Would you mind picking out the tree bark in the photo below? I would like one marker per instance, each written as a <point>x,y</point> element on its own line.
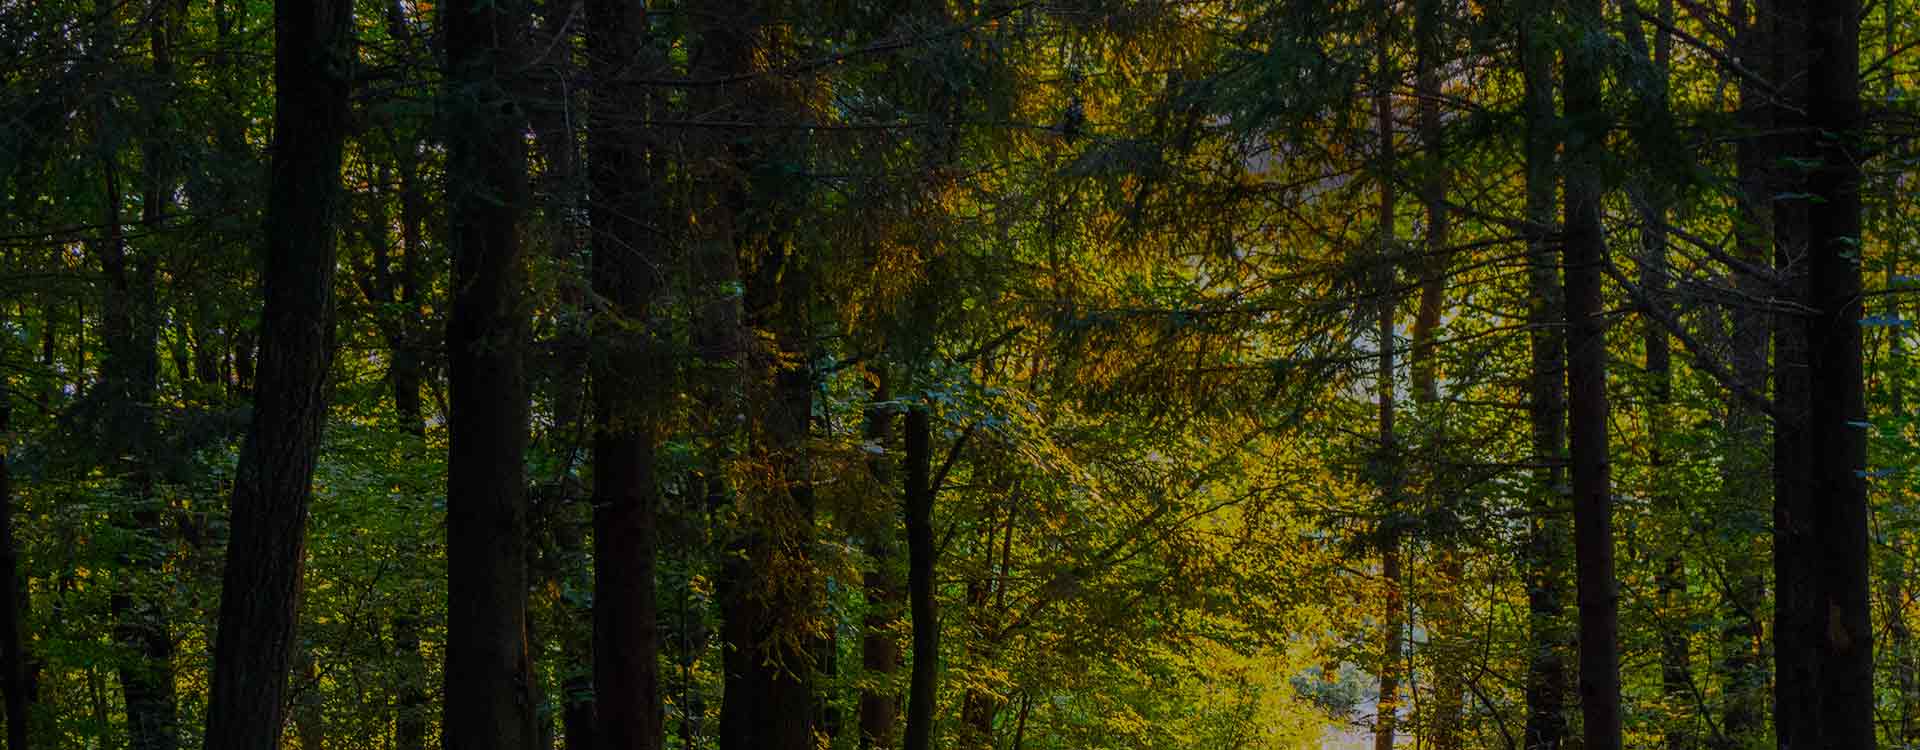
<point>266,553</point>
<point>628,376</point>
<point>879,649</point>
<point>1546,683</point>
<point>1386,462</point>
<point>1837,404</point>
<point>1447,622</point>
<point>1741,670</point>
<point>489,701</point>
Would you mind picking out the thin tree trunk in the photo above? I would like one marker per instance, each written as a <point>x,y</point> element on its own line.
<point>1386,463</point>
<point>1742,670</point>
<point>266,554</point>
<point>1587,409</point>
<point>1448,623</point>
<point>1798,624</point>
<point>879,649</point>
<point>1546,683</point>
<point>489,701</point>
<point>1655,133</point>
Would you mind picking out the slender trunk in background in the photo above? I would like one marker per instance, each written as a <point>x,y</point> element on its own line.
<point>489,701</point>
<point>1653,129</point>
<point>1798,625</point>
<point>1447,621</point>
<point>1741,668</point>
<point>1587,409</point>
<point>879,649</point>
<point>13,591</point>
<point>129,375</point>
<point>1547,544</point>
<point>1839,519</point>
<point>629,378</point>
<point>273,486</point>
<point>922,692</point>
<point>1386,463</point>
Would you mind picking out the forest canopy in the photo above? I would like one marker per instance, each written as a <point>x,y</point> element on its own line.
<point>972,374</point>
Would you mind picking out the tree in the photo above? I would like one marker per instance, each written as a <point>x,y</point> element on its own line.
<point>488,693</point>
<point>266,552</point>
<point>629,377</point>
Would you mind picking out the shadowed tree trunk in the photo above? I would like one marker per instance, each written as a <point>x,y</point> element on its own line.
<point>1587,408</point>
<point>1386,463</point>
<point>1549,641</point>
<point>13,592</point>
<point>879,649</point>
<point>266,554</point>
<point>1652,196</point>
<point>1448,619</point>
<point>1741,669</point>
<point>1838,559</point>
<point>628,377</point>
<point>923,691</point>
<point>489,701</point>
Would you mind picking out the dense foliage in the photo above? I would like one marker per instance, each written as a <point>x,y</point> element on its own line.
<point>740,374</point>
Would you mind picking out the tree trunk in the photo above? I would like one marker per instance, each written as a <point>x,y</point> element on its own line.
<point>1546,683</point>
<point>1447,621</point>
<point>922,692</point>
<point>879,650</point>
<point>1386,463</point>
<point>1742,671</point>
<point>1587,410</point>
<point>489,701</point>
<point>266,554</point>
<point>14,688</point>
<point>1654,131</point>
<point>1837,397</point>
<point>628,379</point>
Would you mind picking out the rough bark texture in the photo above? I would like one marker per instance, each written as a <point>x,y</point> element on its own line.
<point>1547,679</point>
<point>626,370</point>
<point>266,552</point>
<point>1797,625</point>
<point>488,691</point>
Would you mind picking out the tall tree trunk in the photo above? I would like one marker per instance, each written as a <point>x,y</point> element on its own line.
<point>266,553</point>
<point>1386,463</point>
<point>922,692</point>
<point>1742,671</point>
<point>1837,395</point>
<point>129,375</point>
<point>15,691</point>
<point>1654,130</point>
<point>1587,410</point>
<point>628,380</point>
<point>1798,625</point>
<point>1447,623</point>
<point>1546,683</point>
<point>489,701</point>
<point>879,649</point>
